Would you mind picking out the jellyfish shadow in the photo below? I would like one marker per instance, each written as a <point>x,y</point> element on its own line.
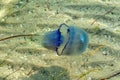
<point>49,73</point>
<point>1,78</point>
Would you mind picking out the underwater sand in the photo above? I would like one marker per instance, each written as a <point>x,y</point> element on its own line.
<point>24,58</point>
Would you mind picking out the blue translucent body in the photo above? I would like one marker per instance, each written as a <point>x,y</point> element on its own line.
<point>77,40</point>
<point>52,40</point>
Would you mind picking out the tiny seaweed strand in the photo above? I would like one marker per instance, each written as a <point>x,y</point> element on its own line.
<point>103,15</point>
<point>116,73</point>
<point>22,35</point>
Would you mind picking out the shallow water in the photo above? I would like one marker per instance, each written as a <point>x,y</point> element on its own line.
<point>24,58</point>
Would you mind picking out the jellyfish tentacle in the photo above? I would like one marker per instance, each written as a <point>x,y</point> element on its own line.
<point>68,32</point>
<point>62,25</point>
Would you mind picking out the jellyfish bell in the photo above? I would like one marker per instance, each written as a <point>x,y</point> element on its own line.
<point>66,41</point>
<point>52,40</point>
<point>78,41</point>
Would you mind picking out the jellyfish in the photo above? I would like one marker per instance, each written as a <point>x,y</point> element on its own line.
<point>74,41</point>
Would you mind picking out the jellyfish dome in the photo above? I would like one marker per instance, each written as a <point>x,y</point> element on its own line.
<point>74,41</point>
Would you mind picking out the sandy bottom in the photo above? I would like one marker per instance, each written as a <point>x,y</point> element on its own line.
<point>24,58</point>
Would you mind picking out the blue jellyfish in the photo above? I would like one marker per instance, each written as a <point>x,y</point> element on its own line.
<point>74,41</point>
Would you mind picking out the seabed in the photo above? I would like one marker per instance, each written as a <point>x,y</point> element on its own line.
<point>24,58</point>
